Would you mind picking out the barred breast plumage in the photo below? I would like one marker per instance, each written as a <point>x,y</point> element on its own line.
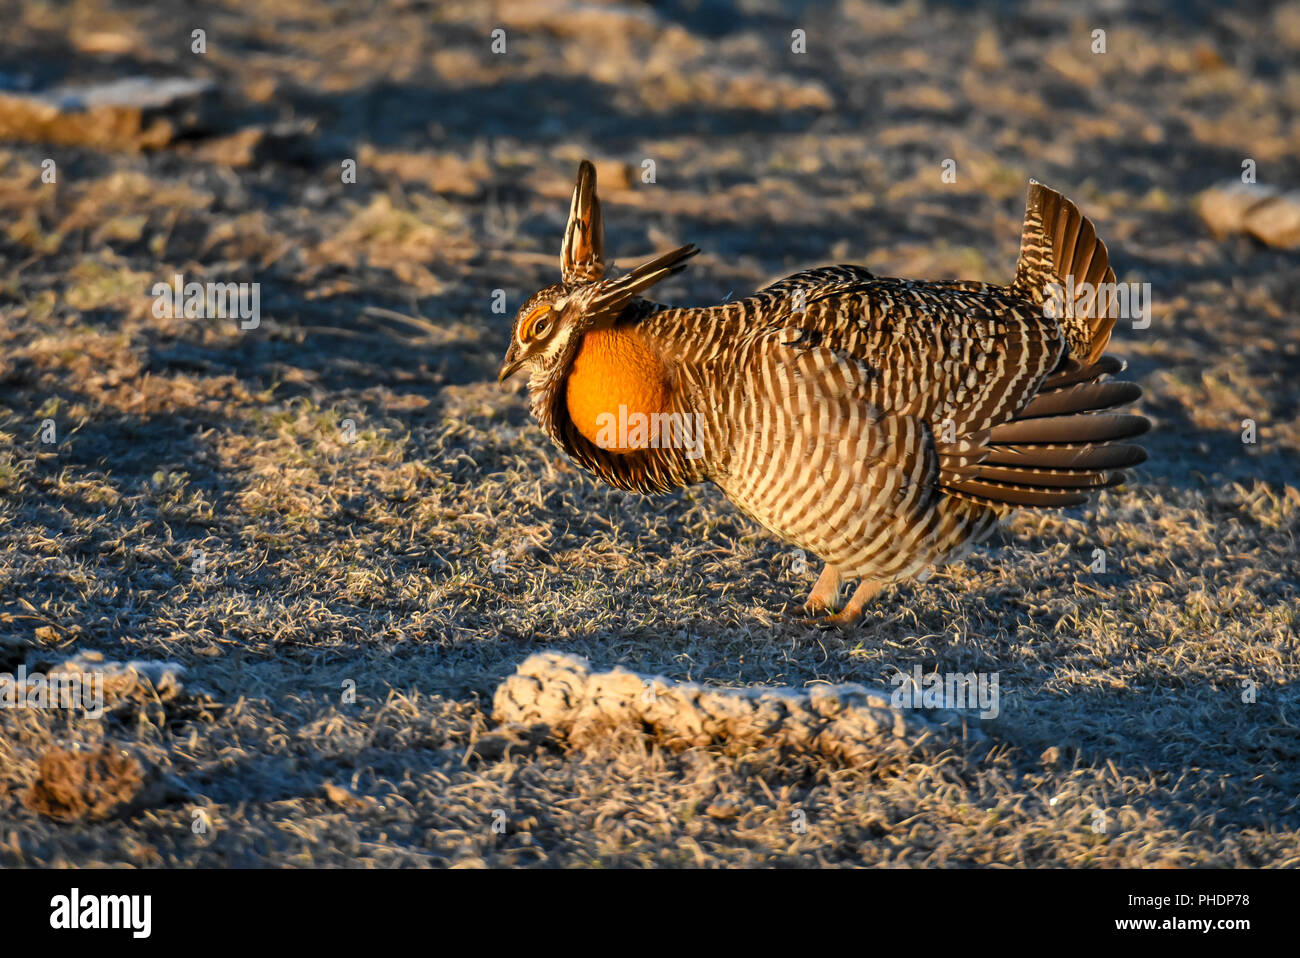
<point>883,425</point>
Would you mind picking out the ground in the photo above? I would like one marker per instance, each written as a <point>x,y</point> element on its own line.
<point>342,498</point>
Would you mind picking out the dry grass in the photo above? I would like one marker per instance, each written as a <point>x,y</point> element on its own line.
<point>428,548</point>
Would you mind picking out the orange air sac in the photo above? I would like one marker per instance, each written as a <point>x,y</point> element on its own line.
<point>614,367</point>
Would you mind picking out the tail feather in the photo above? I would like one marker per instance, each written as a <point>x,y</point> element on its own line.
<point>1082,397</point>
<point>1104,427</point>
<point>1003,494</point>
<point>1060,251</point>
<point>1058,450</point>
<point>1063,445</point>
<point>1071,372</point>
<point>1073,457</point>
<point>1050,478</point>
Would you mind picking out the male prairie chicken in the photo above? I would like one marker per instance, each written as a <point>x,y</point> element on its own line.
<point>883,425</point>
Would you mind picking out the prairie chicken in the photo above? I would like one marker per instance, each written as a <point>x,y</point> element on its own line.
<point>883,425</point>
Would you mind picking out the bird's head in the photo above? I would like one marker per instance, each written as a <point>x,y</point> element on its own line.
<point>549,327</point>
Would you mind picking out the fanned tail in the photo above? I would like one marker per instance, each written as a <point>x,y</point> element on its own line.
<point>1063,446</point>
<point>1067,442</point>
<point>1059,252</point>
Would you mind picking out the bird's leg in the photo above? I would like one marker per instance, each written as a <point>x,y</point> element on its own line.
<point>825,592</point>
<point>852,610</point>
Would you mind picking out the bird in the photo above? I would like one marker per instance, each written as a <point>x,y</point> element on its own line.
<point>884,425</point>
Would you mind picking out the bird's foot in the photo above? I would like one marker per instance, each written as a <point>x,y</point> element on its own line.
<point>825,592</point>
<point>852,611</point>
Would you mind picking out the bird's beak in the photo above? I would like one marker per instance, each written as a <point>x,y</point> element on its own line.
<point>509,367</point>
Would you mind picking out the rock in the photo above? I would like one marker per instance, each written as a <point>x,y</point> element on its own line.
<point>1276,221</point>
<point>1223,207</point>
<point>847,724</point>
<point>133,113</point>
<point>1269,215</point>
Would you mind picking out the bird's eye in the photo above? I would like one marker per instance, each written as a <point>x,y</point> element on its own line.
<point>535,324</point>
